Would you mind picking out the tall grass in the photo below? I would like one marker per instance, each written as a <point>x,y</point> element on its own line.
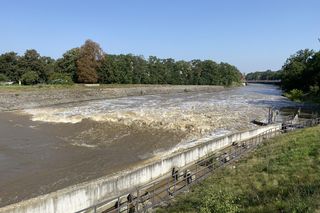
<point>283,175</point>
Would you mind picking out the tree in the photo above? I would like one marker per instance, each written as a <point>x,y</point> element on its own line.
<point>228,74</point>
<point>68,63</point>
<point>30,77</point>
<point>294,70</point>
<point>88,64</point>
<point>182,73</point>
<point>312,73</point>
<point>3,77</point>
<point>32,61</point>
<point>9,66</point>
<point>89,61</point>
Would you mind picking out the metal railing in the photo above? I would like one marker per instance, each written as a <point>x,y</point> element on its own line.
<point>289,126</point>
<point>150,195</point>
<point>163,190</point>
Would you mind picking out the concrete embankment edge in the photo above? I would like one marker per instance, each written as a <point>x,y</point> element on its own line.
<point>77,197</point>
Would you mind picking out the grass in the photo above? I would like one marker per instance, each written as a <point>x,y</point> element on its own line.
<point>283,175</point>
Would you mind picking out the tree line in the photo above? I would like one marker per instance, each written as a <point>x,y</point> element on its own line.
<point>264,75</point>
<point>89,64</point>
<point>300,75</point>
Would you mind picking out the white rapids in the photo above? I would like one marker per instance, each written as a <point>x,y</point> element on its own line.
<point>195,113</point>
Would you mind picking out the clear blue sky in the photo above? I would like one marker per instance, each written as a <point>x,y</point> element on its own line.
<point>251,34</point>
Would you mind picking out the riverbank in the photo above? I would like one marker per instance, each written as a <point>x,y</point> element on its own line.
<point>283,175</point>
<point>22,97</point>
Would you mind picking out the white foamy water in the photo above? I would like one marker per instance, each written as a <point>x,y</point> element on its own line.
<point>199,113</point>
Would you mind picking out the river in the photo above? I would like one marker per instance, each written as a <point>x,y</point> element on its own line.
<point>46,149</point>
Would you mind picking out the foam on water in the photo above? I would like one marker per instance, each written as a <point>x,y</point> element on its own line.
<point>199,113</point>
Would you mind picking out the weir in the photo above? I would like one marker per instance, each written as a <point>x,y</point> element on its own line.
<point>81,196</point>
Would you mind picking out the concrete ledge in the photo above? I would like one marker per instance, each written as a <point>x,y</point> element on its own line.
<point>80,196</point>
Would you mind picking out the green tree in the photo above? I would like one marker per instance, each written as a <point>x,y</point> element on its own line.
<point>294,70</point>
<point>196,71</point>
<point>209,73</point>
<point>9,66</point>
<point>182,73</point>
<point>312,73</point>
<point>228,74</point>
<point>33,61</point>
<point>30,77</point>
<point>3,77</point>
<point>68,63</point>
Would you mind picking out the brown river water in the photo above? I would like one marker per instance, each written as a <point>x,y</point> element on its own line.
<point>46,149</point>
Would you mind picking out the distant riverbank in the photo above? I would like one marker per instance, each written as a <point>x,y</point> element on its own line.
<point>16,97</point>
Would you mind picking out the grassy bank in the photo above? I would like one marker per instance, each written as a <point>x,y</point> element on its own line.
<point>283,175</point>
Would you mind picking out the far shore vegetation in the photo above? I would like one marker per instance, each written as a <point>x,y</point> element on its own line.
<point>282,175</point>
<point>90,64</point>
<point>300,76</point>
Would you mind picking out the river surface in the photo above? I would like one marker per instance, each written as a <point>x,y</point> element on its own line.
<point>46,149</point>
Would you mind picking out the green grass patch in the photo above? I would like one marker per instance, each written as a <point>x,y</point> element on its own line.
<point>282,175</point>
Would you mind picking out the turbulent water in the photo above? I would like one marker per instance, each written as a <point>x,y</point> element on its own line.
<point>45,149</point>
<point>196,114</point>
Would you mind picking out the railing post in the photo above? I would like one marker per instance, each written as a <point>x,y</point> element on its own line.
<point>137,200</point>
<point>168,187</point>
<point>118,205</point>
<point>174,184</point>
<point>154,191</point>
<point>196,172</point>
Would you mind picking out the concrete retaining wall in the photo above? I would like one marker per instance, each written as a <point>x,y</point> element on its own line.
<point>77,197</point>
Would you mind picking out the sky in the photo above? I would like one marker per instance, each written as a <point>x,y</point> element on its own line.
<point>250,34</point>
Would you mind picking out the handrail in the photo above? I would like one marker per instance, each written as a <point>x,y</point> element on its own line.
<point>163,190</point>
<point>161,186</point>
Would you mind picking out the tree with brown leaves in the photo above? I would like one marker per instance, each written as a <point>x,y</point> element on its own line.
<point>90,58</point>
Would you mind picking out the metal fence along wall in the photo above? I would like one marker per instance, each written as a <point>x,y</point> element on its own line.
<point>161,191</point>
<point>153,194</point>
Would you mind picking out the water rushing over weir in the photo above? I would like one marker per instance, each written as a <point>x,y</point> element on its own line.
<point>45,149</point>
<point>197,113</point>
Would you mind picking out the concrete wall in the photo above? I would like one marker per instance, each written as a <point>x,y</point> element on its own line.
<point>83,195</point>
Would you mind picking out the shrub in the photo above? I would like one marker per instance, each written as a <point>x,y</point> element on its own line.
<point>221,201</point>
<point>60,78</point>
<point>314,90</point>
<point>295,95</point>
<point>30,77</point>
<point>3,77</point>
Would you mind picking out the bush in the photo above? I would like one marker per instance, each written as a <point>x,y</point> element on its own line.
<point>60,78</point>
<point>314,90</point>
<point>295,95</point>
<point>3,77</point>
<point>29,78</point>
<point>213,201</point>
